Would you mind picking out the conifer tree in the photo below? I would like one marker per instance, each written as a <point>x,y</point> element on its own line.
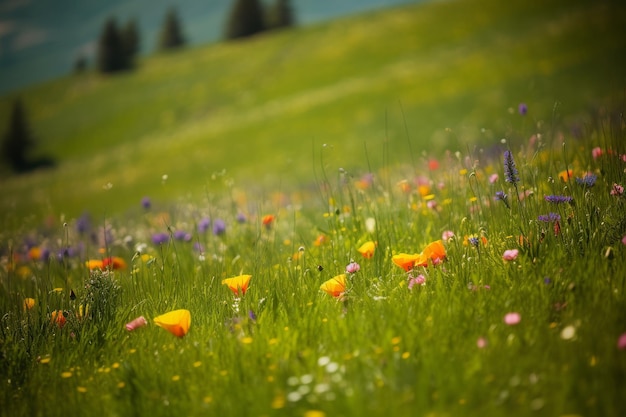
<point>111,54</point>
<point>130,41</point>
<point>171,35</point>
<point>280,15</point>
<point>17,140</point>
<point>246,19</point>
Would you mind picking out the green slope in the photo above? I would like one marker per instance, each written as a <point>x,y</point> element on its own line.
<point>263,108</point>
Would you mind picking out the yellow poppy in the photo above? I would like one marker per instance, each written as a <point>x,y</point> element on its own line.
<point>29,303</point>
<point>435,251</point>
<point>335,286</point>
<point>176,322</point>
<point>238,283</point>
<point>367,249</point>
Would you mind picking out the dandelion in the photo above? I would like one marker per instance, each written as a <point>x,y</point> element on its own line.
<point>512,319</point>
<point>136,323</point>
<point>335,286</point>
<point>219,227</point>
<point>353,268</point>
<point>176,322</point>
<point>617,190</point>
<point>558,199</point>
<point>510,170</point>
<point>238,284</point>
<point>367,249</point>
<point>510,255</point>
<point>522,109</point>
<point>588,180</point>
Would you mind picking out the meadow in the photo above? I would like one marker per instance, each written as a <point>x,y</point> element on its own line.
<point>460,256</point>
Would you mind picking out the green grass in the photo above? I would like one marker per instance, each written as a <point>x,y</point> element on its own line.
<point>352,83</point>
<point>294,142</point>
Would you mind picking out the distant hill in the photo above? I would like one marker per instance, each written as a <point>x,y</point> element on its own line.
<point>40,40</point>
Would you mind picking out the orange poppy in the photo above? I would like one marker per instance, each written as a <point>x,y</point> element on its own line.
<point>335,286</point>
<point>29,303</point>
<point>114,262</point>
<point>238,283</point>
<point>58,317</point>
<point>268,219</point>
<point>367,249</point>
<point>406,261</point>
<point>566,174</point>
<point>176,322</point>
<point>435,251</point>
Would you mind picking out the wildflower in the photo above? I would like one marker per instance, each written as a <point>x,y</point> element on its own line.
<point>493,178</point>
<point>365,181</point>
<point>558,199</point>
<point>447,235</point>
<point>510,255</point>
<point>238,284</point>
<point>320,240</point>
<point>268,220</point>
<point>367,249</point>
<point>433,164</point>
<point>241,218</point>
<point>136,323</point>
<point>624,240</point>
<point>94,264</point>
<point>596,152</point>
<point>405,187</point>
<point>501,196</point>
<point>405,260</point>
<point>58,317</point>
<point>481,343</point>
<point>621,342</point>
<point>510,170</point>
<point>418,280</point>
<point>435,251</point>
<point>335,286</point>
<point>114,262</point>
<point>565,175</point>
<point>522,109</point>
<point>183,236</point>
<point>512,319</point>
<point>146,203</point>
<point>353,268</point>
<point>370,224</point>
<point>29,303</point>
<point>473,240</point>
<point>176,322</point>
<point>588,180</point>
<point>83,223</point>
<point>219,227</point>
<point>160,238</point>
<point>203,225</point>
<point>549,218</point>
<point>617,190</point>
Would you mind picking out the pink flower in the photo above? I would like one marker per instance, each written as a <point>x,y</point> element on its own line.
<point>510,255</point>
<point>418,280</point>
<point>596,152</point>
<point>481,343</point>
<point>447,235</point>
<point>136,323</point>
<point>617,190</point>
<point>493,178</point>
<point>512,319</point>
<point>353,267</point>
<point>624,240</point>
<point>621,342</point>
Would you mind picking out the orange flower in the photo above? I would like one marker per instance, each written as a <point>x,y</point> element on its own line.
<point>320,240</point>
<point>238,283</point>
<point>405,187</point>
<point>94,264</point>
<point>58,317</point>
<point>565,175</point>
<point>406,261</point>
<point>268,219</point>
<point>335,286</point>
<point>176,322</point>
<point>34,253</point>
<point>367,249</point>
<point>29,303</point>
<point>435,251</point>
<point>114,262</point>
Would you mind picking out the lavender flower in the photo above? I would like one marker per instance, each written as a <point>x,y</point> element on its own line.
<point>146,203</point>
<point>588,181</point>
<point>203,225</point>
<point>523,109</point>
<point>510,170</point>
<point>182,235</point>
<point>557,199</point>
<point>549,218</point>
<point>501,196</point>
<point>219,227</point>
<point>241,218</point>
<point>160,238</point>
<point>473,241</point>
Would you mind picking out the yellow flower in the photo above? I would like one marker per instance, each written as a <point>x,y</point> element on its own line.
<point>435,251</point>
<point>367,249</point>
<point>406,261</point>
<point>335,286</point>
<point>29,303</point>
<point>176,322</point>
<point>238,283</point>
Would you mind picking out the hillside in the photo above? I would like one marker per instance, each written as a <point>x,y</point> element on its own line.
<point>379,89</point>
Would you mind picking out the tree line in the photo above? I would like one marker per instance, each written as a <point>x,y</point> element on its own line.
<point>117,50</point>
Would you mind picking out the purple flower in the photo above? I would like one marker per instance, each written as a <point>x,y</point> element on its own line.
<point>549,218</point>
<point>203,225</point>
<point>219,227</point>
<point>588,180</point>
<point>197,246</point>
<point>510,170</point>
<point>146,203</point>
<point>182,235</point>
<point>501,196</point>
<point>557,199</point>
<point>473,241</point>
<point>523,109</point>
<point>160,238</point>
<point>241,218</point>
<point>83,223</point>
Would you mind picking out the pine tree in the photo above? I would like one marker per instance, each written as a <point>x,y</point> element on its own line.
<point>246,19</point>
<point>111,53</point>
<point>130,41</point>
<point>171,35</point>
<point>18,139</point>
<point>281,15</point>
